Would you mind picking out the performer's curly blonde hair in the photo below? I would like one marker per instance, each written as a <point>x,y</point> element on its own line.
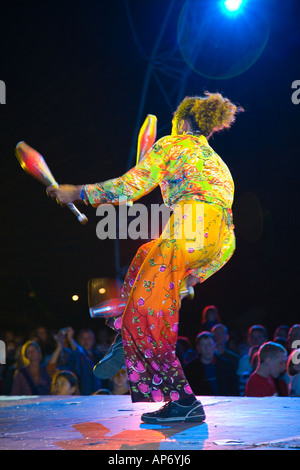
<point>209,114</point>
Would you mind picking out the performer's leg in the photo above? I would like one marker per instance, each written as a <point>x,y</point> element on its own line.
<point>132,273</point>
<point>114,358</point>
<point>150,325</point>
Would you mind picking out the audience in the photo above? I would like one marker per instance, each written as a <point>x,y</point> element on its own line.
<point>32,377</point>
<point>281,331</point>
<point>221,336</point>
<point>210,374</point>
<point>120,383</point>
<point>293,338</point>
<point>44,363</point>
<point>293,369</point>
<point>210,317</point>
<point>86,339</point>
<point>42,336</point>
<point>184,350</point>
<point>69,355</point>
<point>265,380</point>
<point>257,335</point>
<point>104,340</point>
<point>64,382</point>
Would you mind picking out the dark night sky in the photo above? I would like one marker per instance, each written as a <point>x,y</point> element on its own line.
<point>74,75</point>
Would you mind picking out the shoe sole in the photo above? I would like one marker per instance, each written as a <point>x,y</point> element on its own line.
<point>190,419</point>
<point>110,365</point>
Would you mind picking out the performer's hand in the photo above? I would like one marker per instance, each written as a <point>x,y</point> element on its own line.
<point>65,193</point>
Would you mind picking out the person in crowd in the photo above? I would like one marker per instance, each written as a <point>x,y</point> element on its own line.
<point>253,360</point>
<point>293,369</point>
<point>281,331</point>
<point>32,378</point>
<point>103,341</point>
<point>257,335</point>
<point>69,355</point>
<point>86,339</point>
<point>210,374</point>
<point>210,317</point>
<point>272,358</point>
<point>221,336</point>
<point>42,336</point>
<point>184,350</point>
<point>120,384</point>
<point>293,339</point>
<point>11,368</point>
<point>64,382</point>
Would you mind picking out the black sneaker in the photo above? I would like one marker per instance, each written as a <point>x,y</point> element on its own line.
<point>172,412</point>
<point>112,361</point>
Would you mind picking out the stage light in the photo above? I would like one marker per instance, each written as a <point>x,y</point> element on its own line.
<point>75,298</point>
<point>102,290</point>
<point>233,5</point>
<point>226,45</point>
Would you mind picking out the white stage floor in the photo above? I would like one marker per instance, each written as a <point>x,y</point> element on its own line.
<point>113,423</point>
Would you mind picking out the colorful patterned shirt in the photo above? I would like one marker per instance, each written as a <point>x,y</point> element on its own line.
<point>184,166</point>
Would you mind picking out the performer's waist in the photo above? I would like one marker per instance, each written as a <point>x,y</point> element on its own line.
<point>226,211</point>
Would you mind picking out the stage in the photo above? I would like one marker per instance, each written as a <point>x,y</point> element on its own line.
<point>106,422</point>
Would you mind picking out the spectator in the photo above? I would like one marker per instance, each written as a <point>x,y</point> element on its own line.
<point>280,340</point>
<point>253,360</point>
<point>271,364</point>
<point>44,339</point>
<point>32,378</point>
<point>103,341</point>
<point>86,339</point>
<point>257,335</point>
<point>281,331</point>
<point>69,355</point>
<point>184,350</point>
<point>236,343</point>
<point>64,382</point>
<point>11,370</point>
<point>221,336</point>
<point>210,317</point>
<point>293,369</point>
<point>209,374</point>
<point>293,339</point>
<point>120,383</point>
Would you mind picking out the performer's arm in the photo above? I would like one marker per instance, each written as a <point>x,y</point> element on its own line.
<point>134,184</point>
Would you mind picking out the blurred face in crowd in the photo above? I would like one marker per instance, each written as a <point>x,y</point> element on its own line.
<point>32,353</point>
<point>86,340</point>
<point>42,333</point>
<point>63,387</point>
<point>277,364</point>
<point>257,338</point>
<point>120,379</point>
<point>220,335</point>
<point>206,349</point>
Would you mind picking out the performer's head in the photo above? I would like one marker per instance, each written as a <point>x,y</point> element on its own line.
<point>204,115</point>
